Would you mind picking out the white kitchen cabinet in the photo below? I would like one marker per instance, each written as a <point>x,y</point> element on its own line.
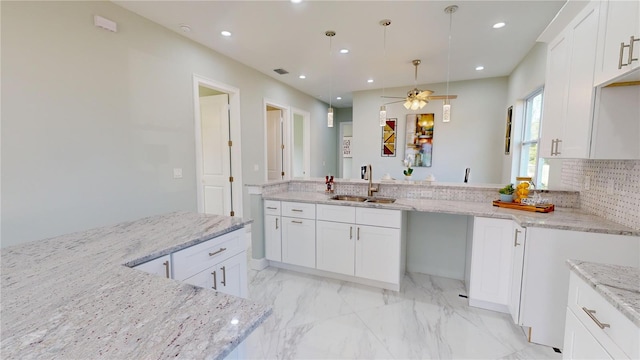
<point>619,21</point>
<point>299,241</point>
<point>594,327</point>
<point>335,250</point>
<point>517,260</point>
<point>160,266</point>
<point>616,123</point>
<point>545,277</point>
<point>491,264</point>
<point>228,276</point>
<point>192,260</point>
<point>569,92</point>
<point>579,343</point>
<point>272,230</point>
<point>378,253</point>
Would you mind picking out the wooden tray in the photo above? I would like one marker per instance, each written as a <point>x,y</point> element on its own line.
<point>545,208</point>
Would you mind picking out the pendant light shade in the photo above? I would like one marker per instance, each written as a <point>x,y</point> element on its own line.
<point>330,34</point>
<point>446,108</point>
<point>383,115</point>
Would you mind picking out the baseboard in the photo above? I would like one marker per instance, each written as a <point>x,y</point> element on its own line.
<point>489,306</point>
<point>259,264</point>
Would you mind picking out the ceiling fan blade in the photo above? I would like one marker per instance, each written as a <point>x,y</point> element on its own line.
<point>425,93</point>
<point>443,97</point>
<point>394,102</point>
<point>393,97</point>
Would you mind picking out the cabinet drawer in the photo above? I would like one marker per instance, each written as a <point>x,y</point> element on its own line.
<point>299,210</point>
<point>192,260</point>
<point>621,335</point>
<point>343,214</point>
<point>271,207</point>
<point>379,217</point>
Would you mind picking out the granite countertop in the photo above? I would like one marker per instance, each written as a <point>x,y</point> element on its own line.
<point>563,219</point>
<point>619,285</point>
<point>72,297</point>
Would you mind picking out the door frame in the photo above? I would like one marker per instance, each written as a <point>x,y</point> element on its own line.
<point>286,137</point>
<point>306,134</point>
<point>235,137</point>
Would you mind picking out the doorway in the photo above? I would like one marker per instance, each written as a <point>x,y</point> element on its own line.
<point>277,136</point>
<point>301,144</point>
<point>217,140</point>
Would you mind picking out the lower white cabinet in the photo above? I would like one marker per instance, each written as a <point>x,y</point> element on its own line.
<point>517,260</point>
<point>579,343</point>
<point>160,266</point>
<point>273,237</point>
<point>228,276</point>
<point>299,241</point>
<point>595,329</point>
<point>378,254</point>
<point>335,249</point>
<point>491,263</point>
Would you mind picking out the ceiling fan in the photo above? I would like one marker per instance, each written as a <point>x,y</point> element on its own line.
<point>416,98</point>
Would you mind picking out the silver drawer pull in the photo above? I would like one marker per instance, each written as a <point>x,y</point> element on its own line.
<point>593,317</point>
<point>296,210</point>
<point>217,252</point>
<point>272,208</point>
<point>296,222</point>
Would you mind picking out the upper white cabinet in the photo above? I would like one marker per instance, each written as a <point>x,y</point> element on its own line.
<point>569,92</point>
<point>618,40</point>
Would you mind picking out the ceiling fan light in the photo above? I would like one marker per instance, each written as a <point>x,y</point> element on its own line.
<point>407,104</point>
<point>422,103</point>
<point>383,115</point>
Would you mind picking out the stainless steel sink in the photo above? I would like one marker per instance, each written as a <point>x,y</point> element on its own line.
<point>349,198</point>
<point>356,198</point>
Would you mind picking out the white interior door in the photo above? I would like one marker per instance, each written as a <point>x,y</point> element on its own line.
<point>274,142</point>
<point>214,126</point>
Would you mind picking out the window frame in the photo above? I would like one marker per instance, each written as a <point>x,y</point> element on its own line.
<point>525,143</point>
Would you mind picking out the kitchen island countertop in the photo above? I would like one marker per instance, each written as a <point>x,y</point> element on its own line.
<point>72,296</point>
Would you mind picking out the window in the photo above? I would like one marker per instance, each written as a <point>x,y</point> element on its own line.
<point>530,164</point>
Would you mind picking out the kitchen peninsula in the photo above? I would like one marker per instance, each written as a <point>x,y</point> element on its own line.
<point>76,295</point>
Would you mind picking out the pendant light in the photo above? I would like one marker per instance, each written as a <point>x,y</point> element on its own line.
<point>446,108</point>
<point>330,34</point>
<point>383,108</point>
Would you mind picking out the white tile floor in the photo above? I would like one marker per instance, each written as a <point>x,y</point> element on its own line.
<point>318,318</point>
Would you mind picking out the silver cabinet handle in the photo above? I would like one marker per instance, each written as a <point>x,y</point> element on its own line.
<point>296,210</point>
<point>224,276</point>
<point>296,222</point>
<point>276,223</point>
<point>558,141</point>
<point>358,234</point>
<point>215,287</point>
<point>593,317</point>
<point>631,58</point>
<point>620,64</point>
<point>272,208</point>
<point>166,269</point>
<point>217,252</point>
<point>350,232</point>
<point>553,144</point>
<point>515,241</point>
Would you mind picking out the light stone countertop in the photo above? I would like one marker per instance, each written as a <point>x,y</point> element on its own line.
<point>560,218</point>
<point>72,297</point>
<point>619,285</point>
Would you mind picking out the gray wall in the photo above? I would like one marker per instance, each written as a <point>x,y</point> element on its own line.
<point>93,122</point>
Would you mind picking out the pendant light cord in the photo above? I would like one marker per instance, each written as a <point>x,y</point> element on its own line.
<point>450,11</point>
<point>330,73</point>
<point>384,54</point>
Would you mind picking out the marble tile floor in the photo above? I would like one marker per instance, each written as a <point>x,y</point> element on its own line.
<point>319,318</point>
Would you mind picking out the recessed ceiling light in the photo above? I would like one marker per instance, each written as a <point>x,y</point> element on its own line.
<point>370,81</point>
<point>344,51</point>
<point>479,67</point>
<point>185,28</point>
<point>302,77</point>
<point>296,1</point>
<point>499,25</point>
<point>339,98</point>
<point>225,33</point>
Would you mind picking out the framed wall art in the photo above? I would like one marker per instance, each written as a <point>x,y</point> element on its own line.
<point>389,138</point>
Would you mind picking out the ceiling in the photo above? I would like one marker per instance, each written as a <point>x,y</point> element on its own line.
<point>268,35</point>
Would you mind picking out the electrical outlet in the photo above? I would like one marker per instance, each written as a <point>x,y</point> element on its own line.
<point>587,183</point>
<point>610,186</point>
<point>177,173</point>
<point>256,167</point>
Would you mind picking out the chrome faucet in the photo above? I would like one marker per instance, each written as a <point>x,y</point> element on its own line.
<point>371,189</point>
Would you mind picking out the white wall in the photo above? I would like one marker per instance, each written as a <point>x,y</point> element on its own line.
<point>474,138</point>
<point>93,122</point>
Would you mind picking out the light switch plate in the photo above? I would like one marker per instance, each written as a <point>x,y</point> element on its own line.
<point>177,173</point>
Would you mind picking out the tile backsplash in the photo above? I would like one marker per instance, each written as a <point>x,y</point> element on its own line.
<point>613,188</point>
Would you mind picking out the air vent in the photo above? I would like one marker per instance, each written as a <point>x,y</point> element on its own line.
<point>281,71</point>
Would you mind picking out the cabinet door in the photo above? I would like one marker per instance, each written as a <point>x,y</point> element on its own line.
<point>491,262</point>
<point>378,253</point>
<point>233,275</point>
<point>160,266</point>
<point>555,94</point>
<point>272,237</point>
<point>579,111</point>
<point>299,241</point>
<point>517,256</point>
<point>619,20</point>
<point>579,343</point>
<point>335,247</point>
